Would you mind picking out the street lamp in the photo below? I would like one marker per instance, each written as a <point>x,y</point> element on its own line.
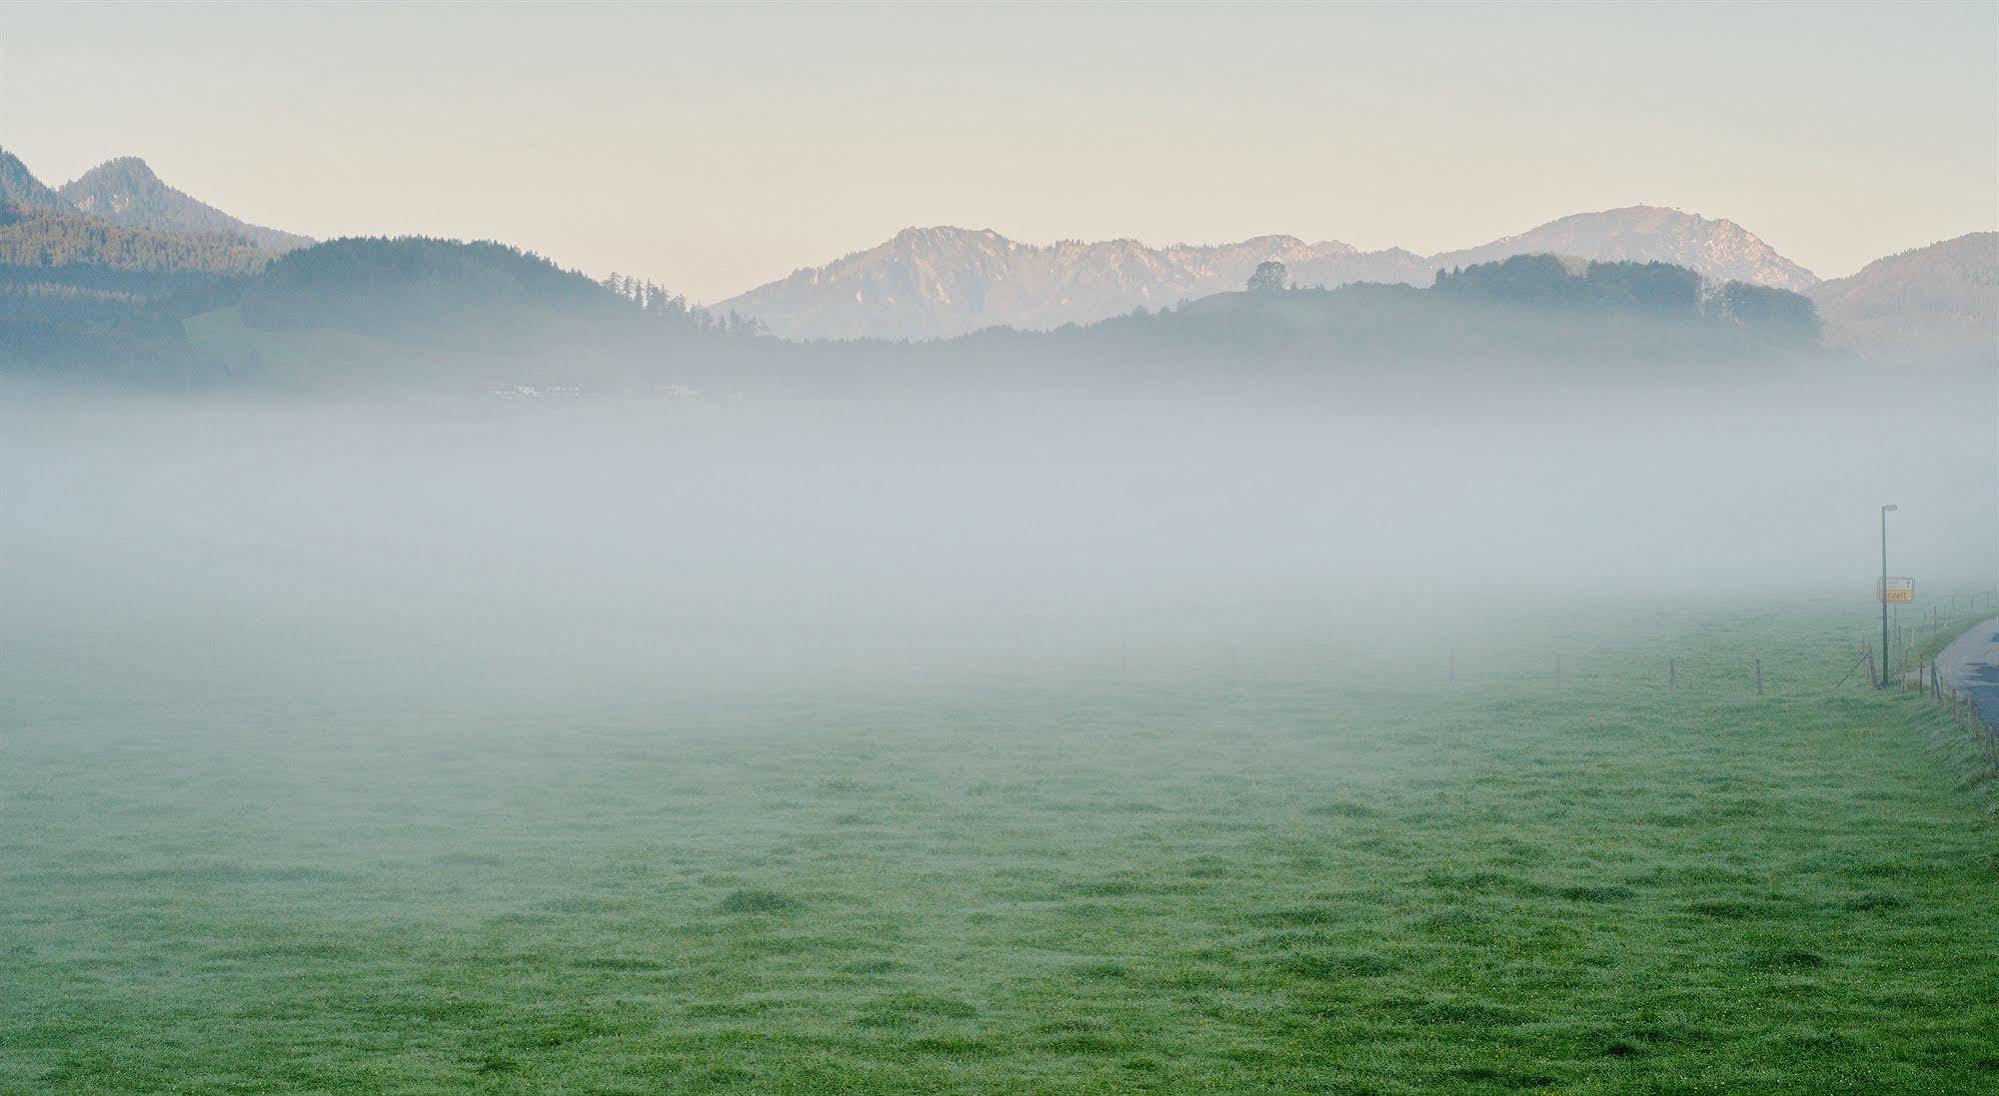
<point>1883,593</point>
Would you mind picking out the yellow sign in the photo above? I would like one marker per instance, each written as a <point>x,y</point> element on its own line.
<point>1897,589</point>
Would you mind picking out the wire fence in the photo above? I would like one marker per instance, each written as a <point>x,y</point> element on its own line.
<point>1940,624</point>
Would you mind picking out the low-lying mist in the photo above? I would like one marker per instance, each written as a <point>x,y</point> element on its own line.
<point>486,552</point>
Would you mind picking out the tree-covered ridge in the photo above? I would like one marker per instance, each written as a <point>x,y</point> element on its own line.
<point>47,238</point>
<point>449,288</point>
<point>409,283</point>
<point>1655,288</point>
<point>1549,280</point>
<point>1516,325</point>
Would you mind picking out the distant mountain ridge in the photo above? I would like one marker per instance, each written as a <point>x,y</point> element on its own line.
<point>1718,250</point>
<point>1928,302</point>
<point>125,191</point>
<point>940,282</point>
<point>945,281</point>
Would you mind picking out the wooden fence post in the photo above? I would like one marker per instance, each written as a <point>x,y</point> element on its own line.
<point>1672,675</point>
<point>1759,675</point>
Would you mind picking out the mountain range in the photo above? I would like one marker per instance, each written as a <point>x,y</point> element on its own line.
<point>941,282</point>
<point>945,281</point>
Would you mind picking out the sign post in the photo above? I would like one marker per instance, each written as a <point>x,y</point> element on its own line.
<point>1897,589</point>
<point>1884,593</point>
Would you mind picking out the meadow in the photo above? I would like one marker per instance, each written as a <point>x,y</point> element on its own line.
<point>1237,870</point>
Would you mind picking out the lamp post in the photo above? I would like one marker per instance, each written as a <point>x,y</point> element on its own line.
<point>1883,593</point>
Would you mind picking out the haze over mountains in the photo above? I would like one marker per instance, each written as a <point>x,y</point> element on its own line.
<point>119,232</point>
<point>940,282</point>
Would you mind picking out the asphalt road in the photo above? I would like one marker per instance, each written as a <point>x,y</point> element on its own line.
<point>1970,665</point>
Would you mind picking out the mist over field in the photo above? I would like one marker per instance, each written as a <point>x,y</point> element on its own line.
<point>779,544</point>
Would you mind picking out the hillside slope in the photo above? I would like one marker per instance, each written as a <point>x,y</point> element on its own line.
<point>1940,301</point>
<point>20,187</point>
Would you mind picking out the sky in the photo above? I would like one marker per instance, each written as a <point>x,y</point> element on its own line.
<point>715,148</point>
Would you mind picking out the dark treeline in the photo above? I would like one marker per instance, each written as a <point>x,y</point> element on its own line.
<point>1530,319</point>
<point>458,293</point>
<point>426,289</point>
<point>50,239</point>
<point>658,304</point>
<point>1657,288</point>
<point>79,295</point>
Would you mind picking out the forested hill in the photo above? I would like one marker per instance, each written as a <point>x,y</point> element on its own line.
<point>1935,303</point>
<point>419,313</point>
<point>418,285</point>
<point>1529,320</point>
<point>444,293</point>
<point>1527,307</point>
<point>1653,289</point>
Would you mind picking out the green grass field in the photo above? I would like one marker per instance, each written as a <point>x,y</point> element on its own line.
<point>1073,881</point>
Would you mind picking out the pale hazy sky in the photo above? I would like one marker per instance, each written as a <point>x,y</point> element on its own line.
<point>713,148</point>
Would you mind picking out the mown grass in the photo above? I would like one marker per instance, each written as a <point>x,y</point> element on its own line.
<point>1082,882</point>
